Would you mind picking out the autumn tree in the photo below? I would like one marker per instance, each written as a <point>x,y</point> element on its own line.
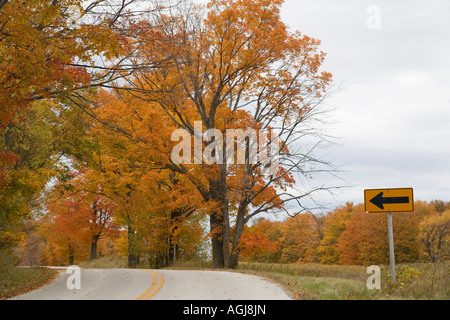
<point>32,249</point>
<point>365,239</point>
<point>100,208</point>
<point>46,56</point>
<point>300,239</point>
<point>158,193</point>
<point>235,64</point>
<point>260,241</point>
<point>335,223</point>
<point>40,51</point>
<point>79,215</point>
<point>350,236</point>
<point>66,225</point>
<point>434,234</point>
<point>32,141</point>
<point>440,206</point>
<point>125,143</point>
<point>228,65</point>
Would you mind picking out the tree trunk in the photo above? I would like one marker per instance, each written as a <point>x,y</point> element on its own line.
<point>241,212</point>
<point>133,255</point>
<point>94,248</point>
<point>216,221</point>
<point>234,259</point>
<point>239,228</point>
<point>71,255</point>
<point>225,215</point>
<point>219,221</point>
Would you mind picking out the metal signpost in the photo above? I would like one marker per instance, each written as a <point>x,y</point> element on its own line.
<point>389,200</point>
<point>391,246</point>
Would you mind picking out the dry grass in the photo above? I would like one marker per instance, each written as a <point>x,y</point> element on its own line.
<point>315,281</point>
<point>105,263</point>
<point>18,280</point>
<point>422,281</point>
<point>336,282</point>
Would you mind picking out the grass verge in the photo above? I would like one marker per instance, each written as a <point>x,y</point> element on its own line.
<point>315,282</point>
<point>105,263</point>
<point>19,280</point>
<point>424,281</point>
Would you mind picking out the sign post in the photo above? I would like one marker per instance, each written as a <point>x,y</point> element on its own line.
<point>174,253</point>
<point>175,230</point>
<point>391,246</point>
<point>389,200</point>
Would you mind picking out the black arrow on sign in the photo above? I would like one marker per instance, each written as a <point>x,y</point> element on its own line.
<point>380,201</point>
<point>174,228</point>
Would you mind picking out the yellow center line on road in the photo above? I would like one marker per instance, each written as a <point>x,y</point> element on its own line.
<point>161,282</point>
<point>148,294</point>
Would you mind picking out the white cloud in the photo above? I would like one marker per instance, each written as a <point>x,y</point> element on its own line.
<point>393,109</point>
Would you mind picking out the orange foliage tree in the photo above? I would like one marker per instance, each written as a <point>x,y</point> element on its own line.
<point>260,242</point>
<point>300,239</point>
<point>158,195</point>
<point>39,55</point>
<point>45,57</point>
<point>79,215</point>
<point>237,66</point>
<point>66,228</point>
<point>123,144</point>
<point>348,235</point>
<point>335,223</point>
<point>365,239</point>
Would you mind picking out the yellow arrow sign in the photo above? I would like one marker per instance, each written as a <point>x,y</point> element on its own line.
<point>174,230</point>
<point>389,200</point>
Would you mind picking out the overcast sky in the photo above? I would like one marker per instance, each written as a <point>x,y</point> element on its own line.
<point>393,107</point>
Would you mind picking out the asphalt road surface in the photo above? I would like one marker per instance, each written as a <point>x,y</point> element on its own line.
<point>139,284</point>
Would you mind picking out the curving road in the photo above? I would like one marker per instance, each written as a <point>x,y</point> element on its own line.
<point>139,284</point>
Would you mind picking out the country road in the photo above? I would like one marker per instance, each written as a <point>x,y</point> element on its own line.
<point>139,284</point>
